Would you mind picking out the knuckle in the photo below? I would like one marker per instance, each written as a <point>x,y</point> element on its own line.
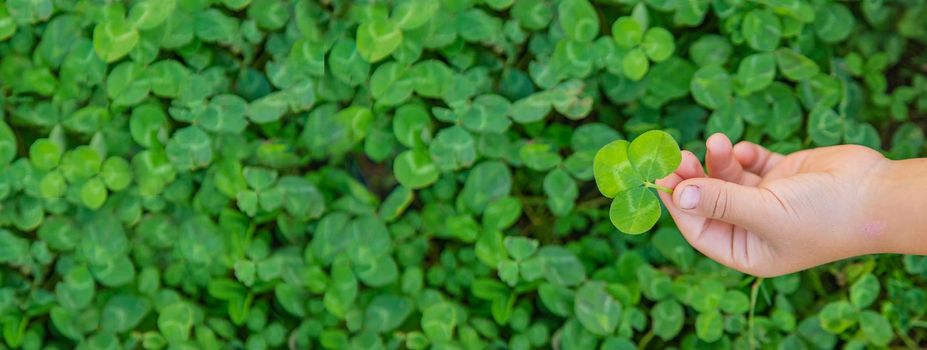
<point>721,202</point>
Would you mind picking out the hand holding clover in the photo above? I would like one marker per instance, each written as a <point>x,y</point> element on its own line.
<point>760,212</point>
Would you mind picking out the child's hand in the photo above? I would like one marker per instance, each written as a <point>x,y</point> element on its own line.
<point>767,214</point>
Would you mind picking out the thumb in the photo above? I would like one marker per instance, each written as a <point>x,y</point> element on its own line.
<point>744,206</point>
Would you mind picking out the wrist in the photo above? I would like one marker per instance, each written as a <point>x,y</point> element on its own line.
<point>894,203</point>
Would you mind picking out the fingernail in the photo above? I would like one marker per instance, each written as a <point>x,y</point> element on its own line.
<point>689,197</point>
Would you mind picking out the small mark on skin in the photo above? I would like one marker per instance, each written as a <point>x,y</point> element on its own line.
<point>873,229</point>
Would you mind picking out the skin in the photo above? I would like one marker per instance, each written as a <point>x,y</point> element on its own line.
<point>768,214</point>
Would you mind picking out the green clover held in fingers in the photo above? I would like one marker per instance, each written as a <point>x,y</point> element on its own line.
<point>627,171</point>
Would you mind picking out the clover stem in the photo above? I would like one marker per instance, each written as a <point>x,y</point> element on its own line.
<point>645,340</point>
<point>755,290</point>
<point>657,187</point>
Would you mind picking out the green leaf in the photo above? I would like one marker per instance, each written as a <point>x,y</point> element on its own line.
<point>80,164</point>
<point>908,141</point>
<point>539,156</point>
<point>762,30</point>
<point>412,125</point>
<point>833,23</point>
<point>794,65</point>
<point>302,199</point>
<point>93,193</point>
<point>225,113</point>
<point>654,155</point>
<point>386,313</point>
<point>502,213</point>
<point>412,14</point>
<point>168,78</point>
<point>690,12</point>
<point>439,321</point>
<point>621,169</point>
<point>635,211</point>
<point>65,321</point>
<point>658,44</point>
<point>53,185</point>
<point>391,83</point>
<point>785,117</point>
<point>635,64</point>
<point>735,302</point>
<point>124,312</point>
<point>7,24</point>
<point>7,144</point>
<point>531,109</point>
<point>864,291</point>
<point>346,63</point>
<point>114,38</point>
<point>710,49</point>
<point>148,125</point>
<point>861,134</point>
<point>213,25</point>
<point>557,299</point>
<point>149,14</point>
<point>415,169</point>
<point>269,108</point>
<point>269,14</point>
<point>822,89</point>
<point>13,249</point>
<point>627,32</point>
<point>487,114</point>
<point>175,321</point>
<point>533,14</point>
<point>838,316</point>
<point>711,87</point>
<point>520,248</point>
<point>453,149</point>
<point>562,268</point>
<point>579,20</point>
<point>755,73</point>
<point>561,191</point>
<point>508,272</point>
<point>378,38</point>
<point>488,181</point>
<point>59,233</point>
<point>825,127</point>
<point>78,288</point>
<point>342,290</point>
<point>668,318</point>
<point>396,203</point>
<point>190,148</point>
<point>876,328</point>
<point>596,310</point>
<point>726,121</point>
<point>116,173</point>
<point>44,154</point>
<point>671,244</point>
<point>709,326</point>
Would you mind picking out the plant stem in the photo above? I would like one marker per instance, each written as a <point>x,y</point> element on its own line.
<point>910,343</point>
<point>754,291</point>
<point>657,187</point>
<point>645,340</point>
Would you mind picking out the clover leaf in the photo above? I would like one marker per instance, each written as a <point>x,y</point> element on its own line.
<point>627,171</point>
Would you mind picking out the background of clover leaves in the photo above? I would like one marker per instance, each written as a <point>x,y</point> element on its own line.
<point>412,174</point>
